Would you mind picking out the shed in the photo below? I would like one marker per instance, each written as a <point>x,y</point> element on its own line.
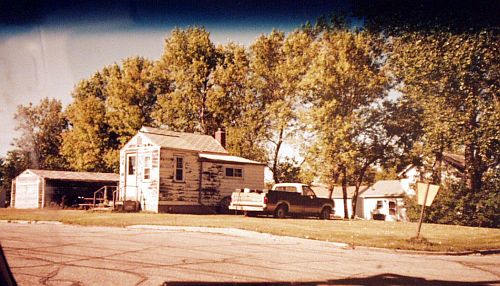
<point>385,197</point>
<point>42,188</point>
<point>167,171</point>
<point>338,198</point>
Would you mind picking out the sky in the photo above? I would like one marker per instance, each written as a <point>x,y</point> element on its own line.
<point>46,47</point>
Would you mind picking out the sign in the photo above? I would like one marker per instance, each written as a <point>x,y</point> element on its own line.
<point>431,190</point>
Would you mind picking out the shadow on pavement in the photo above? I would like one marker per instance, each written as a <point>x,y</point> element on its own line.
<point>385,279</point>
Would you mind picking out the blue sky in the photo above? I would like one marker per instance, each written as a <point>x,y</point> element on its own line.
<point>46,47</point>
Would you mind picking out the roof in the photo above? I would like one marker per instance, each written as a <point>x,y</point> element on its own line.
<point>76,176</point>
<point>227,158</point>
<point>384,188</point>
<point>182,140</point>
<point>322,191</point>
<point>457,161</point>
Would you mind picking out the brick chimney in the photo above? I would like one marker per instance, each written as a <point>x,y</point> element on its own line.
<point>220,135</point>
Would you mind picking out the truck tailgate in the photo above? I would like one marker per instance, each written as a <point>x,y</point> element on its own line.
<point>249,201</point>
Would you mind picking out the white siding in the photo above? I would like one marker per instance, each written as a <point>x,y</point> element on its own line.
<point>27,191</point>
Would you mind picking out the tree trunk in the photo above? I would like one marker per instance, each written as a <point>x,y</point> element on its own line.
<point>436,170</point>
<point>344,190</point>
<point>356,191</point>
<point>276,154</point>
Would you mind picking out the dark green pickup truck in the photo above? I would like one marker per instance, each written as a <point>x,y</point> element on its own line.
<point>283,200</point>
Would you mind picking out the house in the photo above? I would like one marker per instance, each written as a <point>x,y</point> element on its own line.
<point>384,199</point>
<point>167,171</point>
<point>42,188</point>
<point>337,197</point>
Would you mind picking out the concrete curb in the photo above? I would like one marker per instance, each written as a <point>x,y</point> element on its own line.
<point>254,234</point>
<point>234,232</point>
<point>32,221</point>
<point>425,252</point>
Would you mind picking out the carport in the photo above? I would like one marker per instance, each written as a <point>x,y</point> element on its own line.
<point>44,188</point>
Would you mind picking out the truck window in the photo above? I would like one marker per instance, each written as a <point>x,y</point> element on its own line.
<point>290,189</point>
<point>307,191</point>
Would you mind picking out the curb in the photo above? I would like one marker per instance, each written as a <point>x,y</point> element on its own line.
<point>232,232</point>
<point>32,222</point>
<point>254,234</point>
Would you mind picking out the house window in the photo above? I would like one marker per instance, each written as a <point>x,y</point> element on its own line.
<point>234,172</point>
<point>179,169</point>
<point>380,204</point>
<point>147,167</point>
<point>131,165</point>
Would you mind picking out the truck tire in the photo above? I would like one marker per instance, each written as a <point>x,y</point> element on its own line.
<point>223,207</point>
<point>250,214</point>
<point>325,213</point>
<point>281,211</point>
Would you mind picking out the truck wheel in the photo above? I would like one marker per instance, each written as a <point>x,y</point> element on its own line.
<point>281,212</point>
<point>251,214</point>
<point>223,207</point>
<point>325,213</point>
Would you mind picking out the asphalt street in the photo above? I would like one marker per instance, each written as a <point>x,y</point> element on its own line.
<point>44,254</point>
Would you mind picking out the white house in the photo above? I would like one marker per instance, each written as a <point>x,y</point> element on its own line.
<point>167,171</point>
<point>384,199</point>
<point>337,197</point>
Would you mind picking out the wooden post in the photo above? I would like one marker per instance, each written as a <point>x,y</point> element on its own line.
<point>423,208</point>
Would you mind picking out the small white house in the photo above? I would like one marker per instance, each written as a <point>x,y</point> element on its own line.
<point>385,198</point>
<point>167,171</point>
<point>337,197</point>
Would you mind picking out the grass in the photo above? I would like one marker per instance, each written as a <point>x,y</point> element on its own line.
<point>356,233</point>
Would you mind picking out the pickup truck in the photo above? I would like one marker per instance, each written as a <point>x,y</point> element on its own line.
<point>284,199</point>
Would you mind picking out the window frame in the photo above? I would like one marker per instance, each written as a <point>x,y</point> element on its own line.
<point>233,176</point>
<point>133,166</point>
<point>146,167</point>
<point>176,158</point>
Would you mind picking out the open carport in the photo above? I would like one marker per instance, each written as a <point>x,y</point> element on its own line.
<point>44,188</point>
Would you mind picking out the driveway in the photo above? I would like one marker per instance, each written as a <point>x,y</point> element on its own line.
<point>42,254</point>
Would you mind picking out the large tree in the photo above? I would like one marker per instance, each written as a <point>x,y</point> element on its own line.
<point>41,127</point>
<point>345,80</point>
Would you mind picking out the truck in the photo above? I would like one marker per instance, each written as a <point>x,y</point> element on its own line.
<point>281,201</point>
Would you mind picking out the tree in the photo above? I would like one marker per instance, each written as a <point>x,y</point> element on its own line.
<point>188,60</point>
<point>41,127</point>
<point>454,78</point>
<point>345,79</point>
<point>278,64</point>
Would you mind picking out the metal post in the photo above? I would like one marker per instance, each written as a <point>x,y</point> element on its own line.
<point>423,208</point>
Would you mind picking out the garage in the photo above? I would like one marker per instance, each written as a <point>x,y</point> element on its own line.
<point>49,188</point>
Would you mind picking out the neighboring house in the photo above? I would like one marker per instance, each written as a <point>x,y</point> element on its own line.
<point>385,199</point>
<point>452,168</point>
<point>167,171</point>
<point>43,188</point>
<point>337,196</point>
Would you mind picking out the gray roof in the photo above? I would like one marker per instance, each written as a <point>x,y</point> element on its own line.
<point>322,191</point>
<point>182,140</point>
<point>76,176</point>
<point>384,188</point>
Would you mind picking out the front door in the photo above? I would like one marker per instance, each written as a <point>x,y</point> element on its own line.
<point>131,177</point>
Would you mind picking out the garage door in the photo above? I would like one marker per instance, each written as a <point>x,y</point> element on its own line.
<point>26,196</point>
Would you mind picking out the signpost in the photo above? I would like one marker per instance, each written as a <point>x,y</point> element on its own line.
<point>426,193</point>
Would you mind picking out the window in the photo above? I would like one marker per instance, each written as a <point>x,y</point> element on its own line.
<point>179,169</point>
<point>307,191</point>
<point>234,172</point>
<point>131,165</point>
<point>147,167</point>
<point>380,204</point>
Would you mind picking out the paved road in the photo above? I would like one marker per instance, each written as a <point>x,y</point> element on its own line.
<point>74,255</point>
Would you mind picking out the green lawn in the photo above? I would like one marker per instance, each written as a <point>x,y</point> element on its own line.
<point>357,233</point>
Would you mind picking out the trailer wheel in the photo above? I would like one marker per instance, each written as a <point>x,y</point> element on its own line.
<point>325,213</point>
<point>281,211</point>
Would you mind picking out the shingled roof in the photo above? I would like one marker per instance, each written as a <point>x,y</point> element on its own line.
<point>182,140</point>
<point>76,176</point>
<point>384,188</point>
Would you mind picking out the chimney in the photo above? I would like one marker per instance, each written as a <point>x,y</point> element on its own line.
<point>220,135</point>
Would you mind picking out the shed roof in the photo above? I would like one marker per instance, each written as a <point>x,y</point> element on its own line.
<point>76,176</point>
<point>228,158</point>
<point>384,188</point>
<point>322,191</point>
<point>182,140</point>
